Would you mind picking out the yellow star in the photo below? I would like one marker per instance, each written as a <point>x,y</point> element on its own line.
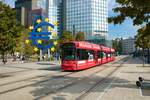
<point>46,20</point>
<point>49,29</point>
<point>55,42</point>
<point>54,34</point>
<point>27,41</point>
<point>39,29</point>
<point>38,21</point>
<point>55,23</point>
<point>39,41</point>
<point>31,27</point>
<point>52,49</point>
<point>36,49</point>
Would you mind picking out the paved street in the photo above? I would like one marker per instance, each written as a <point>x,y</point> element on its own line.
<point>46,81</point>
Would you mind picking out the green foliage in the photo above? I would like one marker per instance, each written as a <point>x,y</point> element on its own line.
<point>80,36</point>
<point>27,49</point>
<point>10,30</point>
<point>142,40</point>
<point>137,10</point>
<point>66,36</point>
<point>117,45</point>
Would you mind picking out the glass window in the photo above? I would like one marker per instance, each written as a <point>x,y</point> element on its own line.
<point>82,54</point>
<point>108,55</point>
<point>104,54</point>
<point>68,52</point>
<point>100,54</point>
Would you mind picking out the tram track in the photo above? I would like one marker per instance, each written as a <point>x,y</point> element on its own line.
<point>87,92</point>
<point>14,72</point>
<point>73,83</point>
<point>59,76</point>
<point>36,77</point>
<point>54,77</point>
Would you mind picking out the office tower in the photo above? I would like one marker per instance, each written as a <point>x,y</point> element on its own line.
<point>89,16</point>
<point>128,45</point>
<point>29,10</point>
<point>55,13</point>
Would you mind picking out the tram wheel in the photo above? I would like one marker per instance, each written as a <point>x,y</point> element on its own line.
<point>138,84</point>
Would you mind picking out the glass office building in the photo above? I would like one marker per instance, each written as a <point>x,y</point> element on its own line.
<point>88,16</point>
<point>54,11</point>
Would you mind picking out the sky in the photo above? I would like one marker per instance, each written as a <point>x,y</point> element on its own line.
<point>125,30</point>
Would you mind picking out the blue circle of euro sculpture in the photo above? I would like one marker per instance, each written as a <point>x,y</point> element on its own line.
<point>34,36</point>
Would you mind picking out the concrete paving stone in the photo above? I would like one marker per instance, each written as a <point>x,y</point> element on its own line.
<point>119,86</point>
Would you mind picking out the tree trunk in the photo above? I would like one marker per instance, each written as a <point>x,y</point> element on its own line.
<point>3,58</point>
<point>148,56</point>
<point>41,55</point>
<point>143,55</point>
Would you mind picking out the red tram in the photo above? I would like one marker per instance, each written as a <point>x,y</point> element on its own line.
<point>83,55</point>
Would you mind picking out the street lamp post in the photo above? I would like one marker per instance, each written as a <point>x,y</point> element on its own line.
<point>73,30</point>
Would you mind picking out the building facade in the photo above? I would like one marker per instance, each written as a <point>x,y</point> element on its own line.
<point>88,16</point>
<point>29,10</point>
<point>55,12</point>
<point>128,46</point>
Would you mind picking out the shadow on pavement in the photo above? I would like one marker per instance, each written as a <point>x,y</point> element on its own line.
<point>45,63</point>
<point>146,88</point>
<point>57,85</point>
<point>51,68</point>
<point>4,76</point>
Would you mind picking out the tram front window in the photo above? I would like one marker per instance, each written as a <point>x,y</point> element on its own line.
<point>68,52</point>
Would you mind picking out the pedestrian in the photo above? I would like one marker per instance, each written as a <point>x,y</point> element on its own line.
<point>57,56</point>
<point>23,59</point>
<point>38,59</point>
<point>43,57</point>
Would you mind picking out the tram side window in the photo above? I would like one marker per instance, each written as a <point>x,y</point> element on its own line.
<point>68,54</point>
<point>100,54</point>
<point>104,55</point>
<point>82,54</point>
<point>113,54</point>
<point>108,55</point>
<point>90,54</point>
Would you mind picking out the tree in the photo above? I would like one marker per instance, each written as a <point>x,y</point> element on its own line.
<point>80,36</point>
<point>143,41</point>
<point>27,49</point>
<point>117,45</point>
<point>66,36</point>
<point>137,10</point>
<point>10,30</point>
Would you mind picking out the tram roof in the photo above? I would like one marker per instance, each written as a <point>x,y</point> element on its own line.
<point>86,45</point>
<point>91,46</point>
<point>112,50</point>
<point>105,49</point>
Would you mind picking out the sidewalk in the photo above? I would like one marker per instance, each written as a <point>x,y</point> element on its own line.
<point>123,86</point>
<point>33,65</point>
<point>9,61</point>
